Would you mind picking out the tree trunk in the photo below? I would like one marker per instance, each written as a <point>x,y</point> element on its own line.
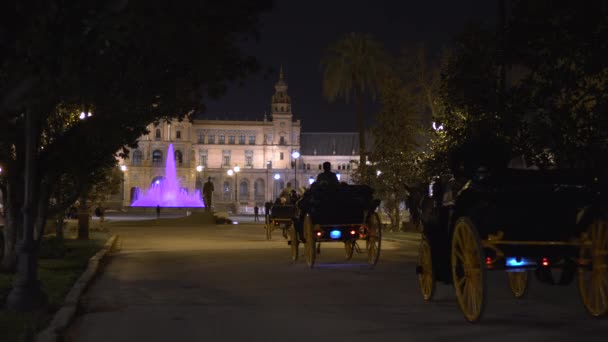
<point>83,219</point>
<point>398,216</point>
<point>361,123</point>
<point>12,227</point>
<point>59,226</point>
<point>26,294</point>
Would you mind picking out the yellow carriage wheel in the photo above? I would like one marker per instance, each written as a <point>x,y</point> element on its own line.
<point>593,273</point>
<point>374,239</point>
<point>293,237</point>
<point>518,282</point>
<point>426,277</point>
<point>468,269</point>
<point>309,245</point>
<point>349,247</point>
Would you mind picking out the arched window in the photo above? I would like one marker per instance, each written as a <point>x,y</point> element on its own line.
<point>179,157</point>
<point>157,158</point>
<point>259,190</point>
<point>136,158</point>
<point>244,190</point>
<point>157,180</point>
<point>157,134</point>
<point>227,193</point>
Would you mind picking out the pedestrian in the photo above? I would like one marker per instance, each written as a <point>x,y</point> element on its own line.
<point>256,211</point>
<point>157,211</point>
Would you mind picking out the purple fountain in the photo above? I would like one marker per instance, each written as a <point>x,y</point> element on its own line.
<point>167,192</point>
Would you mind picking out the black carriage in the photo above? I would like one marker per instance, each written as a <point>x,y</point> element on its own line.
<point>342,213</point>
<point>519,221</point>
<point>280,216</point>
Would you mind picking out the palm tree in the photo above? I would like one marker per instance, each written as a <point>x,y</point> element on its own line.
<point>352,66</point>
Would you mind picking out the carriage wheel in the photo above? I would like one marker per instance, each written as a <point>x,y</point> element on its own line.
<point>593,273</point>
<point>293,237</point>
<point>349,247</point>
<point>468,270</point>
<point>518,282</point>
<point>374,239</point>
<point>309,246</point>
<point>426,277</point>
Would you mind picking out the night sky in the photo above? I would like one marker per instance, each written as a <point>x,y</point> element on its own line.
<point>296,33</point>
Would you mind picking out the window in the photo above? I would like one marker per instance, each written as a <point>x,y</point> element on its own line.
<point>221,140</point>
<point>282,140</point>
<point>137,156</point>
<point>179,158</point>
<point>339,166</point>
<point>249,158</point>
<point>203,160</point>
<point>226,158</point>
<point>307,166</point>
<point>242,139</point>
<point>231,140</point>
<point>211,139</point>
<point>178,135</point>
<point>281,155</point>
<point>157,134</point>
<point>320,167</point>
<point>157,158</point>
<point>252,140</point>
<point>200,137</point>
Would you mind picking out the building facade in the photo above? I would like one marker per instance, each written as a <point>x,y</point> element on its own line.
<point>262,150</point>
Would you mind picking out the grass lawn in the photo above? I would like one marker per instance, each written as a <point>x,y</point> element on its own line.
<point>57,275</point>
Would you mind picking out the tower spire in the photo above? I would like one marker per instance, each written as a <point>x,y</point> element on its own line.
<point>281,73</point>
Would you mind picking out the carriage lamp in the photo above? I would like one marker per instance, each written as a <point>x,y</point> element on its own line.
<point>335,234</point>
<point>545,262</point>
<point>319,234</point>
<point>277,176</point>
<point>489,261</point>
<point>353,232</point>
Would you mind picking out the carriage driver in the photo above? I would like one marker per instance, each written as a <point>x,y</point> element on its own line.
<point>327,177</point>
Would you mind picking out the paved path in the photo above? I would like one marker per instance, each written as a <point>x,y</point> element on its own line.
<point>226,283</point>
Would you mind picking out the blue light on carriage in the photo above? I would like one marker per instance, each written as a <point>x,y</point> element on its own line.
<point>335,234</point>
<point>515,262</point>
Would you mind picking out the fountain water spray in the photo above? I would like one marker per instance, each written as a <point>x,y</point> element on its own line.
<point>167,192</point>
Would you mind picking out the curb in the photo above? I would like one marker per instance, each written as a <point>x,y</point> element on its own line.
<point>64,316</point>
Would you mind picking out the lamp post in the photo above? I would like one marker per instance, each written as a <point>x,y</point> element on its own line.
<point>234,171</point>
<point>198,179</point>
<point>295,155</point>
<point>123,168</point>
<point>276,178</point>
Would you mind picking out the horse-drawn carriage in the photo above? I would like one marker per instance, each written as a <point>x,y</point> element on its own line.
<point>519,221</point>
<point>341,213</point>
<point>280,216</point>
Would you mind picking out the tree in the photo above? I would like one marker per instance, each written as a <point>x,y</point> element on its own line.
<point>352,67</point>
<point>396,146</point>
<point>128,63</point>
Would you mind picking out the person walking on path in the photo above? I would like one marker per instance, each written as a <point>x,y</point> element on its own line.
<point>157,211</point>
<point>256,211</point>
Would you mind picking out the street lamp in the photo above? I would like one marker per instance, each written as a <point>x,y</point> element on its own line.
<point>123,168</point>
<point>338,175</point>
<point>234,171</point>
<point>295,155</point>
<point>311,180</point>
<point>276,178</point>
<point>198,178</point>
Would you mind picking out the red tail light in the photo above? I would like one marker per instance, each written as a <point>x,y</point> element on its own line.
<point>545,262</point>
